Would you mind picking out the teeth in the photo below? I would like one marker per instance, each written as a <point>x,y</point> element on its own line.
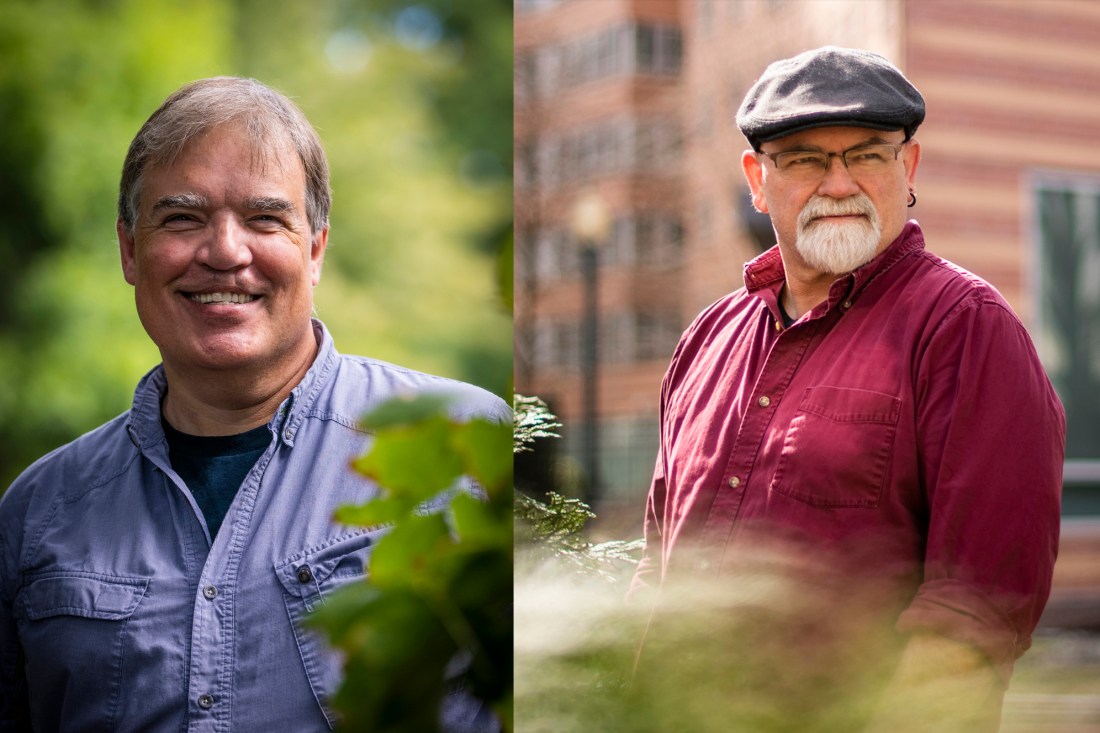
<point>222,298</point>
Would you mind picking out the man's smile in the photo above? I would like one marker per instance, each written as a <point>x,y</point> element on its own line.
<point>223,297</point>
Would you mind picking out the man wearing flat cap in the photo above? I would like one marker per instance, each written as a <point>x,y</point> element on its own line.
<point>877,404</point>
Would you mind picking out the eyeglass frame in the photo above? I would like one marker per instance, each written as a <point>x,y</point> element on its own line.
<point>843,154</point>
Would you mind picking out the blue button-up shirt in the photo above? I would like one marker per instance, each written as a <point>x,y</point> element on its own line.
<point>117,612</point>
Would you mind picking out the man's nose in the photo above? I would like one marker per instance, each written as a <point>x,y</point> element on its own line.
<point>837,182</point>
<point>227,246</point>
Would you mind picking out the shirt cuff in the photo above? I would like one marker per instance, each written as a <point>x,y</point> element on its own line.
<point>962,612</point>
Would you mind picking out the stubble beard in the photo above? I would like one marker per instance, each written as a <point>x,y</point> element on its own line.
<point>838,248</point>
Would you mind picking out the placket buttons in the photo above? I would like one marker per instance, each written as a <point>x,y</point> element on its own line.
<point>210,592</point>
<point>206,701</point>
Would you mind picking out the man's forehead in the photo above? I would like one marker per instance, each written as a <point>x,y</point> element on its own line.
<point>267,168</point>
<point>273,154</point>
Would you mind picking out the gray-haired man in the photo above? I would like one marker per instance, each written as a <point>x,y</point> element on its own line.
<point>852,402</point>
<point>154,572</point>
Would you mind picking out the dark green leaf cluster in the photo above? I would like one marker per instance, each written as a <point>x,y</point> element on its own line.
<point>439,584</point>
<point>559,520</point>
<point>532,419</point>
<point>555,528</point>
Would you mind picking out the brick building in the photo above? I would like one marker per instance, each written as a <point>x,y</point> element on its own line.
<point>634,101</point>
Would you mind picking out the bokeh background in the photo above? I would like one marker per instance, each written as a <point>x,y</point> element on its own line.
<point>413,103</point>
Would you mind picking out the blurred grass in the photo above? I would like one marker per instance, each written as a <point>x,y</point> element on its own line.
<point>768,649</point>
<point>1060,662</point>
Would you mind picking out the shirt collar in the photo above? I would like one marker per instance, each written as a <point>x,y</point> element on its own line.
<point>764,275</point>
<point>144,423</point>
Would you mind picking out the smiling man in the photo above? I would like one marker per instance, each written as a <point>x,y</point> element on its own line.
<point>155,572</point>
<point>874,412</point>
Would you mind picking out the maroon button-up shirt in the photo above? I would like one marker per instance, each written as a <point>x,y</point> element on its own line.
<point>905,422</point>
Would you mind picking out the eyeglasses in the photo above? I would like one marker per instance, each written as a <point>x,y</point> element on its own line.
<point>805,165</point>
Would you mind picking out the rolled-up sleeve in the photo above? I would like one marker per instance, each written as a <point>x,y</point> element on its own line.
<point>991,440</point>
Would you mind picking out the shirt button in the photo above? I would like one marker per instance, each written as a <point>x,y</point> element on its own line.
<point>734,482</point>
<point>764,401</point>
<point>305,574</point>
<point>206,701</point>
<point>846,304</point>
<point>210,592</point>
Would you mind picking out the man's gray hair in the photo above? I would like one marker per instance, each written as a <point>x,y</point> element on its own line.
<point>193,110</point>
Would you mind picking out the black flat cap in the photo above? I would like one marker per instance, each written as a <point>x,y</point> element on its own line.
<point>827,87</point>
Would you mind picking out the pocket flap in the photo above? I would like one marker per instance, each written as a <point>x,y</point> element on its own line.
<point>98,596</point>
<point>302,574</point>
<point>843,404</point>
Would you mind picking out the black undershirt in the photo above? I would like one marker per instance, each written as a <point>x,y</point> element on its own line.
<point>213,467</point>
<point>787,320</point>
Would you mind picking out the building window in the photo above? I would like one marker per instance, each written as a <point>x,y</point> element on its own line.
<point>659,241</point>
<point>548,163</point>
<point>625,337</point>
<point>645,240</point>
<point>658,49</point>
<point>628,449</point>
<point>526,165</point>
<point>1068,337</point>
<point>612,147</point>
<point>630,337</point>
<point>656,336</point>
<point>555,255</point>
<point>524,76</point>
<point>657,144</point>
<point>549,73</point>
<point>557,345</point>
<point>527,6</point>
<point>645,48</point>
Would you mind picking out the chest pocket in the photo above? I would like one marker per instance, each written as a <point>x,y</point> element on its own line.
<point>838,447</point>
<point>308,578</point>
<point>72,626</point>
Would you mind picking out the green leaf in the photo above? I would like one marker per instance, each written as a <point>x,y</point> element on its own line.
<point>341,611</point>
<point>411,555</point>
<point>486,448</point>
<point>395,650</point>
<point>480,523</point>
<point>415,461</point>
<point>408,410</point>
<point>377,512</point>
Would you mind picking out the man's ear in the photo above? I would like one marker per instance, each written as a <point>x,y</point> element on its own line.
<point>127,252</point>
<point>910,157</point>
<point>754,174</point>
<point>317,247</point>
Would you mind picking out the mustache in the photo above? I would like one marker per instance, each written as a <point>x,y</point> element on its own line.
<point>820,206</point>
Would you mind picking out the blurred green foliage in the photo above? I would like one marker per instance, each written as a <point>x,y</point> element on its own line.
<point>413,102</point>
<point>439,584</point>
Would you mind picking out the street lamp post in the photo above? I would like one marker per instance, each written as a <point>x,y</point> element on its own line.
<point>591,225</point>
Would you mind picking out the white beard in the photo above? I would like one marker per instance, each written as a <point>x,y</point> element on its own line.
<point>838,248</point>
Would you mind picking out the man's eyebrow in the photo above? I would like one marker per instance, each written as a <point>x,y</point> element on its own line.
<point>269,203</point>
<point>181,201</point>
<point>802,147</point>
